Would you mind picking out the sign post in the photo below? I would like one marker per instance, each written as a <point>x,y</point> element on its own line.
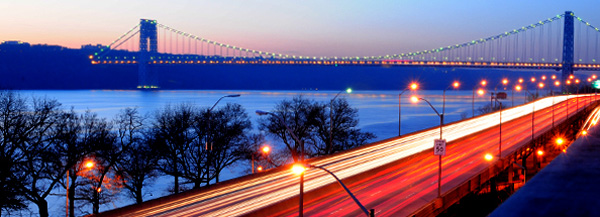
<point>439,147</point>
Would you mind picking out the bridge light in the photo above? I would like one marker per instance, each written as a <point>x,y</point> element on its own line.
<point>489,157</point>
<point>298,169</point>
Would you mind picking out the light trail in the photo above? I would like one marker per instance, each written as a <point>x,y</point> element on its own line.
<point>243,196</point>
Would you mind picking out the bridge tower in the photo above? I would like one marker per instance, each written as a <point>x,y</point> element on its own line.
<point>568,44</point>
<point>148,46</point>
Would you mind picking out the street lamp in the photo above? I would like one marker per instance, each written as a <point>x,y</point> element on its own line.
<point>300,169</point>
<point>349,90</point>
<point>454,85</point>
<point>209,120</point>
<point>89,164</point>
<point>415,99</point>
<point>413,86</point>
<point>480,92</point>
<point>300,159</point>
<point>264,151</point>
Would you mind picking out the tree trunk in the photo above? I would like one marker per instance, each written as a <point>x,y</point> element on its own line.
<point>72,197</point>
<point>138,194</point>
<point>96,202</point>
<point>176,190</point>
<point>42,207</point>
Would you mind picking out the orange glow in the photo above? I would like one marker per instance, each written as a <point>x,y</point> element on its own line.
<point>89,164</point>
<point>584,132</point>
<point>520,80</point>
<point>576,81</point>
<point>541,85</point>
<point>557,83</point>
<point>593,76</point>
<point>259,168</point>
<point>532,79</point>
<point>560,141</point>
<point>518,88</point>
<point>266,149</point>
<point>571,76</point>
<point>589,79</point>
<point>455,84</point>
<point>489,157</point>
<point>298,169</point>
<point>568,81</point>
<point>480,92</point>
<point>594,122</point>
<point>483,82</point>
<point>540,152</point>
<point>505,81</point>
<point>414,86</point>
<point>543,77</point>
<point>414,99</point>
<point>553,77</point>
<point>564,150</point>
<point>99,190</point>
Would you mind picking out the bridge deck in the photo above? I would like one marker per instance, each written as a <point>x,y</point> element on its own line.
<point>568,186</point>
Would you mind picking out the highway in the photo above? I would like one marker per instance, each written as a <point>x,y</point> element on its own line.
<point>394,184</point>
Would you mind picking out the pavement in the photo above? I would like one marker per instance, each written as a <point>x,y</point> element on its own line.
<point>568,186</point>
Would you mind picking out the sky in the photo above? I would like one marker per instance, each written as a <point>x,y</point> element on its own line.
<point>307,27</point>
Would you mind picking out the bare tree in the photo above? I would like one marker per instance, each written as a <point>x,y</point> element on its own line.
<point>137,164</point>
<point>172,134</point>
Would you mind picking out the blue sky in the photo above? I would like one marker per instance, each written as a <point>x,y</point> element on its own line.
<point>308,27</point>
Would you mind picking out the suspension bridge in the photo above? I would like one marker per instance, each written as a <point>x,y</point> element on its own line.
<point>549,44</point>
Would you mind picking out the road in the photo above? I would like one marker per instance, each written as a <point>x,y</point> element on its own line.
<point>394,179</point>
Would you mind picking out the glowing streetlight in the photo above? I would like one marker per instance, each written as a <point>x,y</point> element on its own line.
<point>520,80</point>
<point>557,83</point>
<point>483,83</point>
<point>571,76</point>
<point>593,76</point>
<point>348,91</point>
<point>584,132</point>
<point>518,88</point>
<point>296,158</point>
<point>266,149</point>
<point>540,152</point>
<point>559,141</point>
<point>541,85</point>
<point>532,79</point>
<point>553,77</point>
<point>489,157</point>
<point>415,99</point>
<point>480,92</point>
<point>89,164</point>
<point>543,77</point>
<point>412,86</point>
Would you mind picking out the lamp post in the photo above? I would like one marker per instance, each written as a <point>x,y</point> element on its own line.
<point>265,151</point>
<point>300,169</point>
<point>209,120</point>
<point>500,140</point>
<point>415,100</point>
<point>557,84</point>
<point>301,158</point>
<point>455,85</point>
<point>89,165</point>
<point>349,90</point>
<point>479,92</point>
<point>413,86</point>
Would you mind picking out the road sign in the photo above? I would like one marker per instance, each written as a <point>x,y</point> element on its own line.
<point>501,95</point>
<point>439,147</point>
